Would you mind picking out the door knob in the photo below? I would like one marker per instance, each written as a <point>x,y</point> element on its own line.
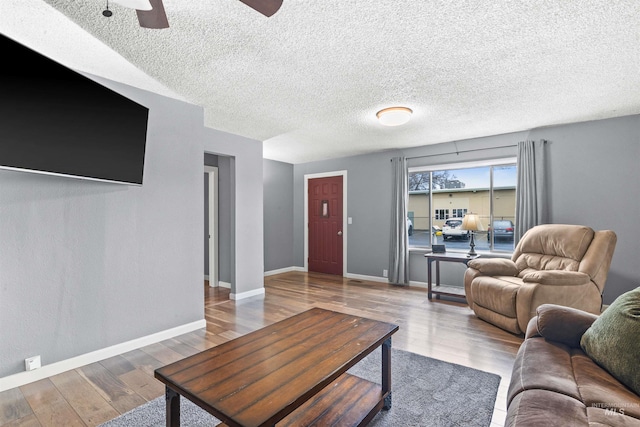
<point>340,233</point>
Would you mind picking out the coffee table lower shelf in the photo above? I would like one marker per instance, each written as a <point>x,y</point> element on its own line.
<point>348,401</point>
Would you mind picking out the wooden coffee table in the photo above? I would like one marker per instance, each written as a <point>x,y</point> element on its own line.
<point>291,373</point>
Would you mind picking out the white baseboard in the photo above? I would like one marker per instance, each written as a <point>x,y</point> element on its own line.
<point>365,277</point>
<point>224,284</point>
<point>248,294</point>
<point>348,276</point>
<point>22,378</point>
<point>383,280</point>
<point>418,284</point>
<point>283,270</point>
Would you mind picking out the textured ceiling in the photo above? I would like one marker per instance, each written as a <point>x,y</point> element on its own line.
<point>309,80</point>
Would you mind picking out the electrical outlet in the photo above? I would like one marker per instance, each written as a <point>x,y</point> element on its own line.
<point>385,273</point>
<point>32,363</point>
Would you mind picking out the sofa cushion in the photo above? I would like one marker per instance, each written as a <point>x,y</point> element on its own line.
<point>599,389</point>
<point>528,263</point>
<point>497,293</point>
<point>542,364</point>
<point>537,408</point>
<point>613,340</point>
<point>552,247</point>
<point>556,240</point>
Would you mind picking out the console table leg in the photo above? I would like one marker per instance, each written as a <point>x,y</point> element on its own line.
<point>438,276</point>
<point>173,407</point>
<point>386,373</point>
<point>429,282</point>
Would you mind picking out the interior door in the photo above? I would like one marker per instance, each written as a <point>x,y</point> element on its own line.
<point>325,225</point>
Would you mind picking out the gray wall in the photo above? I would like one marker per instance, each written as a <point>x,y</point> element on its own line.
<point>278,215</point>
<point>209,160</point>
<point>594,177</point>
<point>592,170</point>
<point>245,207</point>
<point>224,216</point>
<point>87,265</point>
<point>369,195</point>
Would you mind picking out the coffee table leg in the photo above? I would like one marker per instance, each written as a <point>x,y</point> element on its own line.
<point>173,407</point>
<point>386,372</point>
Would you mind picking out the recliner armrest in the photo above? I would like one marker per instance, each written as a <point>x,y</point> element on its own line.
<point>557,277</point>
<point>561,324</point>
<point>494,266</point>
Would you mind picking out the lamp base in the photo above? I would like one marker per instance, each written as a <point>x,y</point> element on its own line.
<point>472,245</point>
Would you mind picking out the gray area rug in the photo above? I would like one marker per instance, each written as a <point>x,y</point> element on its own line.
<point>425,392</point>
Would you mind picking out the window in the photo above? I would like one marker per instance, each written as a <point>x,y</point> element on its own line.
<point>442,214</point>
<point>450,191</point>
<point>458,213</point>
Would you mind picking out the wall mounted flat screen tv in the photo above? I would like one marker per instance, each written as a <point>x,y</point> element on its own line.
<point>54,120</point>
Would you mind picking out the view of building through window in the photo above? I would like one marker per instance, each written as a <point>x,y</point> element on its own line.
<point>439,199</point>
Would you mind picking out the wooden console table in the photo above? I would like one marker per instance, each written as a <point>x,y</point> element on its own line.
<point>292,373</point>
<point>438,289</point>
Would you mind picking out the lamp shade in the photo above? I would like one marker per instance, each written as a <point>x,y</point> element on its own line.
<point>471,222</point>
<point>394,116</point>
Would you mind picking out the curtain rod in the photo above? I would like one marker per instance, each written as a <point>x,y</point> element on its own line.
<point>457,152</point>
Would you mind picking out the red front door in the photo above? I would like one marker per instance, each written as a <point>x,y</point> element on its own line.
<point>325,225</point>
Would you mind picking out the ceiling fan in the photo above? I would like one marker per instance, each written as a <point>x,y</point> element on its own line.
<point>151,13</point>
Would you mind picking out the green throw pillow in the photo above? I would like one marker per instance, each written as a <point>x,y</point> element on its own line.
<point>613,340</point>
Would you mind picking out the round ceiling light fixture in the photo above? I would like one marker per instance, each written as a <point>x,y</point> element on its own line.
<point>394,116</point>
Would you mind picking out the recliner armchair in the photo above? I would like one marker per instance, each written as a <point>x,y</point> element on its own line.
<point>553,263</point>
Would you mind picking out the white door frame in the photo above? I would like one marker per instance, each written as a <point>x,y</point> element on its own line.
<point>212,173</point>
<point>307,177</point>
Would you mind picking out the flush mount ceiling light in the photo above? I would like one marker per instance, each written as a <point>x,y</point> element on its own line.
<point>394,116</point>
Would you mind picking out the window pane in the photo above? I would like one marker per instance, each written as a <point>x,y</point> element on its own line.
<point>461,191</point>
<point>418,209</point>
<point>504,208</point>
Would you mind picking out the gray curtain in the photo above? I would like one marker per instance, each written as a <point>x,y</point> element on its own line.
<point>531,192</point>
<point>399,255</point>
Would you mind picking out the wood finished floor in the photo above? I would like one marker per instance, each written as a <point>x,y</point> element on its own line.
<point>96,393</point>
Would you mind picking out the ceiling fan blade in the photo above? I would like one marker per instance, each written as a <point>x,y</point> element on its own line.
<point>155,18</point>
<point>265,7</point>
<point>134,4</point>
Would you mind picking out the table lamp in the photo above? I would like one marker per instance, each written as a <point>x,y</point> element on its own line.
<point>472,223</point>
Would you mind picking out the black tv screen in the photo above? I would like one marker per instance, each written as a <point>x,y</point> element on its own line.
<point>54,120</point>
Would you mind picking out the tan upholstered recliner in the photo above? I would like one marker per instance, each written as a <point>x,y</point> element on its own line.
<point>553,263</point>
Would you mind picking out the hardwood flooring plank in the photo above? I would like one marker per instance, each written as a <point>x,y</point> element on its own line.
<point>49,406</point>
<point>442,329</point>
<point>163,353</point>
<point>143,361</point>
<point>117,393</point>
<point>200,339</point>
<point>180,347</point>
<point>28,421</point>
<point>83,398</point>
<point>143,384</point>
<point>117,365</point>
<point>13,406</point>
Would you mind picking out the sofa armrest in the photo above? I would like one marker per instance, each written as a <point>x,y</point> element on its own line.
<point>494,266</point>
<point>557,277</point>
<point>561,324</point>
